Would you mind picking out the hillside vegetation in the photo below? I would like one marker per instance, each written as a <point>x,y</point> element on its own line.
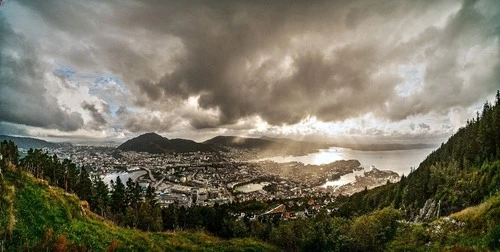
<point>36,216</point>
<point>463,172</point>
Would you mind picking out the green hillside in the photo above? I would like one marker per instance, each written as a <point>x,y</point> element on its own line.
<point>472,229</point>
<point>463,172</point>
<point>35,216</point>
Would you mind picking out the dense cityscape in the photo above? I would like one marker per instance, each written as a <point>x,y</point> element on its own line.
<point>206,178</point>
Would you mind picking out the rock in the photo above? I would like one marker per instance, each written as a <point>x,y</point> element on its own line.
<point>429,212</point>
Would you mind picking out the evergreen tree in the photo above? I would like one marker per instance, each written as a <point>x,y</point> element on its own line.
<point>84,186</point>
<point>118,197</point>
<point>71,176</point>
<point>149,217</point>
<point>101,196</point>
<point>150,195</point>
<point>9,152</point>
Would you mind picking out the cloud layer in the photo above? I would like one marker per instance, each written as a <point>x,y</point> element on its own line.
<point>202,65</point>
<point>24,98</point>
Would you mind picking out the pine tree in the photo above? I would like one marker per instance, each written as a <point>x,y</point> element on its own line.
<point>150,195</point>
<point>101,196</point>
<point>84,186</point>
<point>118,197</point>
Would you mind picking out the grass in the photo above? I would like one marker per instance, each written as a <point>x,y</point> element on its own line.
<point>472,229</point>
<point>47,218</point>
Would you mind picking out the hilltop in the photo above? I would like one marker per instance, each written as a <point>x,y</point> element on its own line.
<point>156,144</point>
<point>29,142</point>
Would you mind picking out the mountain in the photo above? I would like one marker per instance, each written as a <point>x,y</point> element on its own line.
<point>267,145</point>
<point>28,142</point>
<point>243,142</point>
<point>156,144</point>
<point>388,146</point>
<point>37,217</point>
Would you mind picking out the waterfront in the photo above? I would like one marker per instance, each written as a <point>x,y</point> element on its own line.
<point>251,187</point>
<point>217,175</point>
<point>398,161</point>
<point>124,176</point>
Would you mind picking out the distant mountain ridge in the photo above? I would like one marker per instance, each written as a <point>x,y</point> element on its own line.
<point>388,146</point>
<point>241,142</point>
<point>156,144</point>
<point>267,145</point>
<point>29,142</point>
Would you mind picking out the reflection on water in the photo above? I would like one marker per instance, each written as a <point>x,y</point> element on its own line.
<point>323,156</point>
<point>251,187</point>
<point>345,179</point>
<point>399,161</point>
<point>124,176</point>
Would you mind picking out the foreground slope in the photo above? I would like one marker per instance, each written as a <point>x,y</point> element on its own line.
<point>36,216</point>
<point>475,228</point>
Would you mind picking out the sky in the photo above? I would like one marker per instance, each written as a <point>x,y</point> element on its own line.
<point>363,71</point>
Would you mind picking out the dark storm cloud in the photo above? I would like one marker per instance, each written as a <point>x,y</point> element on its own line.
<point>11,129</point>
<point>221,40</point>
<point>142,122</point>
<point>122,110</point>
<point>424,126</point>
<point>281,60</point>
<point>202,120</point>
<point>23,97</point>
<point>96,115</point>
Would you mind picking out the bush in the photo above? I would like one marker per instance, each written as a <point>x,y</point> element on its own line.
<point>371,232</point>
<point>493,236</point>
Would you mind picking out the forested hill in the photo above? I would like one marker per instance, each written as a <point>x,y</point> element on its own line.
<point>28,142</point>
<point>156,144</point>
<point>462,172</point>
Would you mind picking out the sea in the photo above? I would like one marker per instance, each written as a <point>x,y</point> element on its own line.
<point>400,161</point>
<point>124,176</point>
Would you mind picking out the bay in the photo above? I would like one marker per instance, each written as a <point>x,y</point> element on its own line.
<point>398,161</point>
<point>251,187</point>
<point>124,176</point>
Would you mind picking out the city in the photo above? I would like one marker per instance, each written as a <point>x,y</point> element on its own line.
<point>233,175</point>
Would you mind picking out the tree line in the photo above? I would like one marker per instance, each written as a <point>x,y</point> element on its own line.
<point>461,173</point>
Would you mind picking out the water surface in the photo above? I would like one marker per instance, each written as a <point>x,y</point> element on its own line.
<point>251,187</point>
<point>398,161</point>
<point>124,176</point>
